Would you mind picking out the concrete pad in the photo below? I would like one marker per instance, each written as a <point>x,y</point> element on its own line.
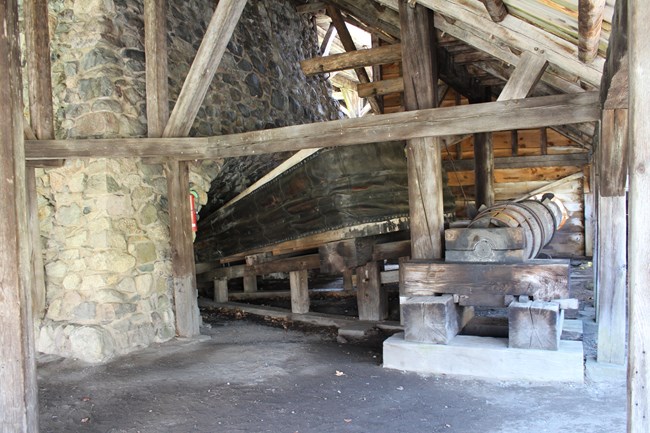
<point>601,372</point>
<point>486,358</point>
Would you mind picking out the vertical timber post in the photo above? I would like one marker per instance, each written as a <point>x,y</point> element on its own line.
<point>638,211</point>
<point>424,159</point>
<point>19,396</point>
<point>299,285</point>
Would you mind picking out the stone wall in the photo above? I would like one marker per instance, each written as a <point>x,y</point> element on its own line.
<point>104,222</point>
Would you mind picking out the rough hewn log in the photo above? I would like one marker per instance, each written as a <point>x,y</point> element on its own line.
<point>526,75</point>
<point>638,211</point>
<point>435,122</point>
<point>590,21</point>
<point>19,396</point>
<point>352,60</point>
<point>382,87</point>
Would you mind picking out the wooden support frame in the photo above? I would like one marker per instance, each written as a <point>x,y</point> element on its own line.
<point>348,44</point>
<point>435,122</point>
<point>19,396</point>
<point>496,9</point>
<point>156,68</point>
<point>639,230</point>
<point>352,60</point>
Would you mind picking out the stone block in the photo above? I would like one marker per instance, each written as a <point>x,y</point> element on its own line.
<point>431,319</point>
<point>91,344</point>
<point>534,325</point>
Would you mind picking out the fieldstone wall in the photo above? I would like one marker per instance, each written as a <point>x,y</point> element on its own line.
<point>104,222</point>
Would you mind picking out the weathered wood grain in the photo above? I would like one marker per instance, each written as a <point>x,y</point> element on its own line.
<point>299,285</point>
<point>614,92</point>
<point>383,87</point>
<point>612,153</point>
<point>544,280</point>
<point>372,300</point>
<point>19,396</point>
<point>434,122</point>
<point>526,75</point>
<point>352,60</point>
<point>534,325</point>
<point>156,70</point>
<point>590,21</point>
<point>496,9</point>
<point>638,211</point>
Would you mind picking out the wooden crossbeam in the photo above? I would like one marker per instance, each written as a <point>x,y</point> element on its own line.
<point>526,75</point>
<point>387,20</point>
<point>351,60</point>
<point>590,20</point>
<point>383,87</point>
<point>436,122</point>
<point>496,9</point>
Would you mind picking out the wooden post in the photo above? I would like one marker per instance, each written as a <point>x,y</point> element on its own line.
<point>590,20</point>
<point>19,396</point>
<point>638,211</point>
<point>423,156</point>
<point>514,142</point>
<point>372,301</point>
<point>484,169</point>
<point>347,280</point>
<point>155,46</point>
<point>39,83</point>
<point>299,285</point>
<point>250,283</point>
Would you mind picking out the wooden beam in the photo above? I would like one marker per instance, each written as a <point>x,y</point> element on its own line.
<point>424,161</point>
<point>526,75</point>
<point>434,122</point>
<point>613,153</point>
<point>638,211</point>
<point>512,32</point>
<point>328,39</point>
<point>352,60</point>
<point>310,7</point>
<point>383,87</point>
<point>39,87</point>
<point>372,300</point>
<point>348,44</point>
<point>19,396</point>
<point>384,19</point>
<point>544,280</point>
<point>155,48</point>
<point>614,86</point>
<point>590,21</point>
<point>484,169</point>
<point>496,9</point>
<point>216,38</point>
<point>299,285</point>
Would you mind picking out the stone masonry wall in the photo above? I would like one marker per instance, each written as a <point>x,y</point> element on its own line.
<point>104,222</point>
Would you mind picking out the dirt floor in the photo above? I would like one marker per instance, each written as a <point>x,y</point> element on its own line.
<point>247,377</point>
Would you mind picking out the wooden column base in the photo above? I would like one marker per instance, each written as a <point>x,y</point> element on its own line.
<point>299,283</point>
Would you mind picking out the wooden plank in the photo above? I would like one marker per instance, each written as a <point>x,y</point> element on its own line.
<point>528,72</point>
<point>155,49</point>
<point>391,250</point>
<point>434,122</point>
<point>299,284</point>
<point>516,175</point>
<point>39,87</point>
<point>639,229</point>
<point>590,21</point>
<point>564,160</point>
<point>372,301</point>
<point>383,87</point>
<point>613,153</point>
<point>348,44</point>
<point>198,80</point>
<point>614,90</point>
<point>187,314</point>
<point>544,280</point>
<point>19,396</point>
<point>424,162</point>
<point>299,263</point>
<point>496,9</point>
<point>611,282</point>
<point>351,60</point>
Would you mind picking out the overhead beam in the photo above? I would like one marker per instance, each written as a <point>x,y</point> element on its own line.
<point>512,32</point>
<point>590,21</point>
<point>638,400</point>
<point>383,87</point>
<point>328,39</point>
<point>19,396</point>
<point>348,44</point>
<point>382,18</point>
<point>352,60</point>
<point>496,9</point>
<point>216,38</point>
<point>435,122</point>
